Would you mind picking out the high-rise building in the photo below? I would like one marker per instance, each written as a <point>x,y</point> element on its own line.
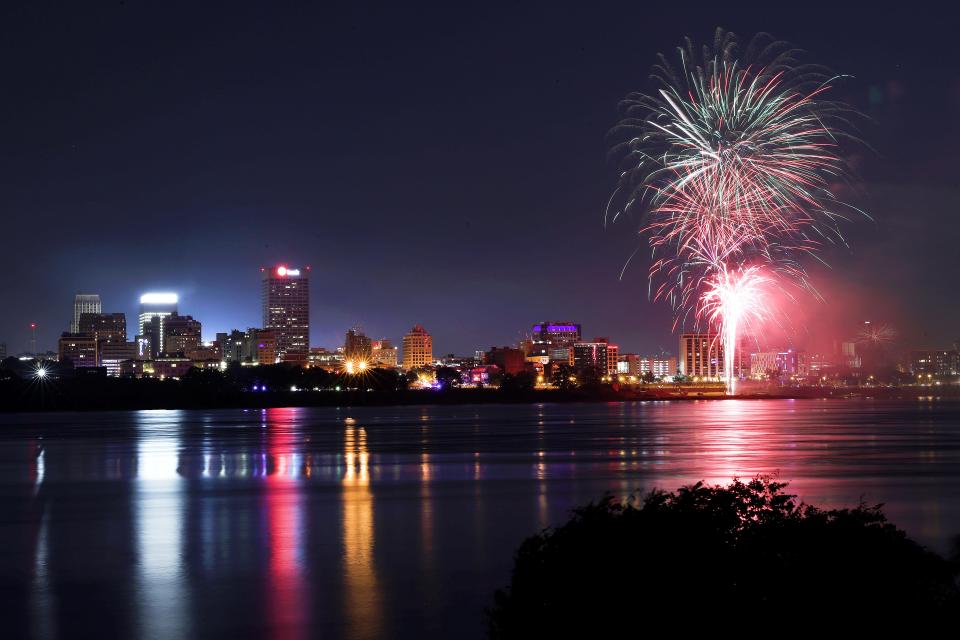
<point>286,310</point>
<point>357,346</point>
<point>591,356</point>
<point>159,306</point>
<point>553,339</point>
<point>105,327</point>
<point>383,353</point>
<point>181,334</point>
<point>83,303</point>
<point>417,348</point>
<point>701,355</point>
<point>78,348</point>
<point>945,363</point>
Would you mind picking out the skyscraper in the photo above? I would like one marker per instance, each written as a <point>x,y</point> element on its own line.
<point>159,306</point>
<point>83,303</point>
<point>286,310</point>
<point>417,348</point>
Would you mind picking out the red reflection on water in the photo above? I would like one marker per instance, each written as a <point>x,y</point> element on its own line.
<point>286,584</point>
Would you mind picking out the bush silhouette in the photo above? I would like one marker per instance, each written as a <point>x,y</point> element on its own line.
<point>745,558</point>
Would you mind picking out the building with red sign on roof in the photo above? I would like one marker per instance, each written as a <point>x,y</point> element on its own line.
<point>286,310</point>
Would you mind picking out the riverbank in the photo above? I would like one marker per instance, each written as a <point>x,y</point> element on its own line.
<point>129,394</point>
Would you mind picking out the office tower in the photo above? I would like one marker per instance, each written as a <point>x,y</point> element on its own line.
<point>383,353</point>
<point>701,355</point>
<point>159,306</point>
<point>181,334</point>
<point>104,327</point>
<point>553,339</point>
<point>78,348</point>
<point>83,303</point>
<point>357,346</point>
<point>286,310</point>
<point>591,356</point>
<point>417,348</point>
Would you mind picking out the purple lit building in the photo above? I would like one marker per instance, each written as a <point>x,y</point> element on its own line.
<point>553,339</point>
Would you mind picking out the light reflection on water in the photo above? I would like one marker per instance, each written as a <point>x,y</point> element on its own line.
<point>369,522</point>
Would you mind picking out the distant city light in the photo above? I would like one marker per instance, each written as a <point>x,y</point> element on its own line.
<point>40,373</point>
<point>159,298</point>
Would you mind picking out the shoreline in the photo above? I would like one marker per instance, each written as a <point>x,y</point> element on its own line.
<point>63,400</point>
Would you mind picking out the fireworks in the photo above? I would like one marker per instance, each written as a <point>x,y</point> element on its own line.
<point>734,300</point>
<point>876,334</point>
<point>733,163</point>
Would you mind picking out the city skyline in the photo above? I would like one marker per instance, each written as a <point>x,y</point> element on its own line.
<point>246,161</point>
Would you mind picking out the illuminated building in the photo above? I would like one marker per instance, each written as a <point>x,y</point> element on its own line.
<point>657,366</point>
<point>383,353</point>
<point>417,348</point>
<point>180,334</point>
<point>260,346</point>
<point>78,348</point>
<point>159,306</point>
<point>104,327</point>
<point>553,339</point>
<point>935,363</point>
<point>171,367</point>
<point>231,345</point>
<point>701,355</point>
<point>764,364</point>
<point>613,355</point>
<point>286,310</point>
<point>325,359</point>
<point>83,303</point>
<point>629,364</point>
<point>509,360</point>
<point>113,354</point>
<point>357,346</point>
<point>591,356</point>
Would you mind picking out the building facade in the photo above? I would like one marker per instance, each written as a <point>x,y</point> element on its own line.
<point>591,356</point>
<point>181,334</point>
<point>157,306</point>
<point>78,348</point>
<point>357,346</point>
<point>701,355</point>
<point>285,298</point>
<point>553,339</point>
<point>384,354</point>
<point>417,348</point>
<point>83,303</point>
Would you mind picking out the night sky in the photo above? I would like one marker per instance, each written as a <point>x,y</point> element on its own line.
<point>435,165</point>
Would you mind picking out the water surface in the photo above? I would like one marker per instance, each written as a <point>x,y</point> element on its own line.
<point>393,521</point>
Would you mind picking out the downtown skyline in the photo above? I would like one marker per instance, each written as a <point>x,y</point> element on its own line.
<point>472,230</point>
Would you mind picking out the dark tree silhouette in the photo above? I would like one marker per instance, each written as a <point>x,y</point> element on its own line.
<point>747,558</point>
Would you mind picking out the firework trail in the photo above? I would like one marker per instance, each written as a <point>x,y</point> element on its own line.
<point>732,162</point>
<point>734,300</point>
